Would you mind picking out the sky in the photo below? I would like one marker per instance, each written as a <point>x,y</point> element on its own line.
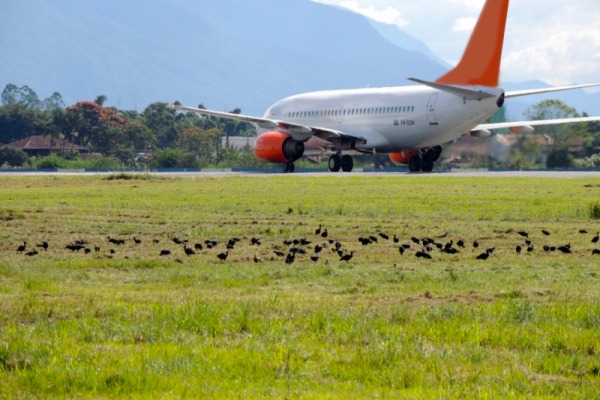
<point>556,41</point>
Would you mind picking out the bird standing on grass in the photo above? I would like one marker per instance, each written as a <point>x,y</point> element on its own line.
<point>22,247</point>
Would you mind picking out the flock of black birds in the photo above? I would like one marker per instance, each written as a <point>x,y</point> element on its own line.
<point>290,249</point>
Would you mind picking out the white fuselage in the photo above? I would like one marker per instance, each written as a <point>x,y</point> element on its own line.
<point>389,119</point>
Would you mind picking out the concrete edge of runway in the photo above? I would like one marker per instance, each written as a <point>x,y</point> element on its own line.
<point>216,173</point>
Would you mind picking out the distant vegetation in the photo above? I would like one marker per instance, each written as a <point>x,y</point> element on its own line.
<point>158,137</point>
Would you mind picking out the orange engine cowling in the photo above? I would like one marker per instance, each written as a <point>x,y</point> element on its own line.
<point>277,147</point>
<point>403,158</point>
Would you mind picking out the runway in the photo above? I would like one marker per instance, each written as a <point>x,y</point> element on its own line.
<point>223,173</point>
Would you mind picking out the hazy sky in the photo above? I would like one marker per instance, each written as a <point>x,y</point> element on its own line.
<point>557,41</point>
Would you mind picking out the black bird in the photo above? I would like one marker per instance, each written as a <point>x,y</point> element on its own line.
<point>483,256</point>
<point>423,254</point>
<point>176,240</point>
<point>256,259</point>
<point>518,249</point>
<point>112,251</point>
<point>596,252</point>
<point>314,258</point>
<point>188,251</point>
<point>401,250</point>
<point>279,253</point>
<point>165,252</point>
<point>324,233</point>
<point>87,250</point>
<point>406,246</point>
<point>31,253</point>
<point>384,236</point>
<point>43,245</point>
<point>137,240</point>
<point>415,240</point>
<point>530,248</point>
<point>596,238</point>
<point>22,247</point>
<point>347,257</point>
<point>255,241</point>
<point>156,241</point>
<point>583,231</point>
<point>304,242</point>
<point>97,249</point>
<point>490,250</point>
<point>74,247</point>
<point>223,256</point>
<point>523,233</point>
<point>118,242</point>
<point>364,241</point>
<point>396,240</point>
<point>318,230</point>
<point>289,259</point>
<point>545,232</point>
<point>318,248</point>
<point>460,243</point>
<point>475,244</point>
<point>564,249</point>
<point>198,246</point>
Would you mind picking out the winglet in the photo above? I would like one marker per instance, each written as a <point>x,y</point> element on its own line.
<point>480,63</point>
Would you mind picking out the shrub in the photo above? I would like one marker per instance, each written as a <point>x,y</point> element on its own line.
<point>594,210</point>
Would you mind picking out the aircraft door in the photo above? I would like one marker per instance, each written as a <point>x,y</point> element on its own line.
<point>431,109</point>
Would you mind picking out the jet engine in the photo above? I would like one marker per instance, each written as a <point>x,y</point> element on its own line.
<point>277,147</point>
<point>403,158</point>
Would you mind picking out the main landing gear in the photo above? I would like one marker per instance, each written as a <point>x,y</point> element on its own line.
<point>337,162</point>
<point>288,168</point>
<point>424,160</point>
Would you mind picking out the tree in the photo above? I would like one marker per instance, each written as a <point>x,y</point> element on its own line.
<point>17,121</point>
<point>161,121</point>
<point>562,135</point>
<point>24,95</point>
<point>12,157</point>
<point>100,100</point>
<point>89,124</point>
<point>203,143</point>
<point>54,102</point>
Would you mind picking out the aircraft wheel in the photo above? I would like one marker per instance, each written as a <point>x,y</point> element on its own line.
<point>335,163</point>
<point>414,164</point>
<point>289,168</point>
<point>427,164</point>
<point>347,163</point>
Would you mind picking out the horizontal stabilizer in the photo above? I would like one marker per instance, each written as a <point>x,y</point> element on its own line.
<point>517,93</point>
<point>471,93</point>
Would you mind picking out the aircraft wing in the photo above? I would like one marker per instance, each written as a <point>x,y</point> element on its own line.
<point>527,126</point>
<point>296,131</point>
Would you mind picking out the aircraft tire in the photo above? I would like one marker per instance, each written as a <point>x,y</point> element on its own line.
<point>427,164</point>
<point>335,163</point>
<point>414,164</point>
<point>347,163</point>
<point>289,168</point>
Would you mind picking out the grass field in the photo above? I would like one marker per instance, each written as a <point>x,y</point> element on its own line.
<point>126,322</point>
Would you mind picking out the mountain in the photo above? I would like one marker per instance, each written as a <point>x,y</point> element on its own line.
<point>225,54</point>
<point>222,53</point>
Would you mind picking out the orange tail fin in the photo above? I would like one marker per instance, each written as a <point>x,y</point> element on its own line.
<point>480,63</point>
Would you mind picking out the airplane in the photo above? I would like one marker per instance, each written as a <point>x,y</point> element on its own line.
<point>410,123</point>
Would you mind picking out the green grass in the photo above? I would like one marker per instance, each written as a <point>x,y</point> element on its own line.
<point>136,325</point>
